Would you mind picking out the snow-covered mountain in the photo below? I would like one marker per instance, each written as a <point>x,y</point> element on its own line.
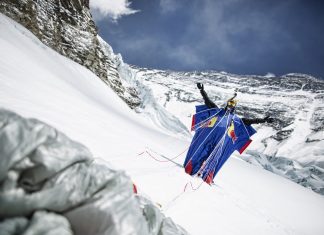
<point>37,82</point>
<point>292,146</point>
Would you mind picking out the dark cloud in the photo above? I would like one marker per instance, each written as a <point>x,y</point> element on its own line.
<point>238,36</point>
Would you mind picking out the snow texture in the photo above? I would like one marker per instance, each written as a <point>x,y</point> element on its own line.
<point>43,170</point>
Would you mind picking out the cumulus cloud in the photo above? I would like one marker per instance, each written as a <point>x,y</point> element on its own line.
<point>113,9</point>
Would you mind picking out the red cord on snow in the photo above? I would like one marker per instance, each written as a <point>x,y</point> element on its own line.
<point>192,187</point>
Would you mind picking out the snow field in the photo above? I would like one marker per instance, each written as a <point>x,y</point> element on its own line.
<point>37,82</point>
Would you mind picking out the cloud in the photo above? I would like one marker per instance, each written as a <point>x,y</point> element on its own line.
<point>153,49</point>
<point>169,5</point>
<point>113,9</point>
<point>230,39</point>
<point>185,56</point>
<point>141,44</point>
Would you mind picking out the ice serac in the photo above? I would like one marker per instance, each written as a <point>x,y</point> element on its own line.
<point>50,184</point>
<point>68,28</point>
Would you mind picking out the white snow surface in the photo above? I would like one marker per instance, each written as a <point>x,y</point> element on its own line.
<point>292,146</point>
<point>37,82</point>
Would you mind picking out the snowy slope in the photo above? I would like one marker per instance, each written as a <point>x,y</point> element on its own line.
<point>37,82</point>
<point>292,146</point>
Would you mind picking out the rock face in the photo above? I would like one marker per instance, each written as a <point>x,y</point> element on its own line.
<point>50,184</point>
<point>68,28</point>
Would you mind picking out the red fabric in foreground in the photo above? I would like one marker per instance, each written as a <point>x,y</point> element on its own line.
<point>134,188</point>
<point>245,146</point>
<point>188,168</point>
<point>193,123</point>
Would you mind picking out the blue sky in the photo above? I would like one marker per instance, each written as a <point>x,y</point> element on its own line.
<point>236,36</point>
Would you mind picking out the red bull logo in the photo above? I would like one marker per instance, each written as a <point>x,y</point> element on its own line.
<point>231,132</point>
<point>212,122</point>
<point>209,123</point>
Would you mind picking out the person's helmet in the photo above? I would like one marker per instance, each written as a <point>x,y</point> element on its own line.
<point>231,103</point>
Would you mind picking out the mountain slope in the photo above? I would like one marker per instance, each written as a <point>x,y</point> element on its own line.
<point>37,82</point>
<point>292,146</point>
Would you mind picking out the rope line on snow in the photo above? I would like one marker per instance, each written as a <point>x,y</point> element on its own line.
<point>188,185</point>
<point>185,190</point>
<point>156,159</point>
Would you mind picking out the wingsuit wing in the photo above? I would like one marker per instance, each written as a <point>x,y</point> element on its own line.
<point>217,137</point>
<point>203,123</point>
<point>237,137</point>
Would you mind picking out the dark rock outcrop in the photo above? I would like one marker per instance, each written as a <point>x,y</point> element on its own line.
<point>68,28</point>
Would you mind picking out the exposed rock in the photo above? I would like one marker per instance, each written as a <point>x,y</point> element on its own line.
<point>68,28</point>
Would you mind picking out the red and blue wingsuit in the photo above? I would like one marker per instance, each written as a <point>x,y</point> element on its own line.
<point>218,133</point>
